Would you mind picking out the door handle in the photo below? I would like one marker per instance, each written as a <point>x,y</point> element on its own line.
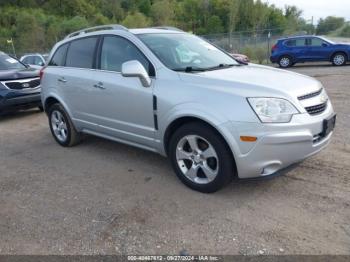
<point>99,85</point>
<point>62,79</point>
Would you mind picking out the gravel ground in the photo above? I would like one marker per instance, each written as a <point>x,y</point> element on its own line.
<point>103,197</point>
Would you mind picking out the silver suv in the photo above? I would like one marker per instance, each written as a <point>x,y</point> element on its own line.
<point>176,94</point>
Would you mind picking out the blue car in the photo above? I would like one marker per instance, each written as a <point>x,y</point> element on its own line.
<point>289,51</point>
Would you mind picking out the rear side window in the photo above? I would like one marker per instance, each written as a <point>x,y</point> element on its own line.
<point>59,56</point>
<point>81,53</point>
<point>295,42</point>
<point>117,50</point>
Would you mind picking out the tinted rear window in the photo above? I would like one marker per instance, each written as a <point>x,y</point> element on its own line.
<point>295,42</point>
<point>81,53</point>
<point>59,56</point>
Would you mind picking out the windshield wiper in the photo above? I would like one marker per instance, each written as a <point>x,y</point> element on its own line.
<point>221,66</point>
<point>190,69</point>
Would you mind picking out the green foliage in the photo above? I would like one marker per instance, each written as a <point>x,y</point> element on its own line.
<point>345,31</point>
<point>36,25</point>
<point>257,54</point>
<point>214,25</point>
<point>329,24</point>
<point>136,20</point>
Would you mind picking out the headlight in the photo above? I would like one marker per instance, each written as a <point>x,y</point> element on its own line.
<point>272,110</point>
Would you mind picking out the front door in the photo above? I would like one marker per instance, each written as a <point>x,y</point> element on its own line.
<point>318,49</point>
<point>121,106</point>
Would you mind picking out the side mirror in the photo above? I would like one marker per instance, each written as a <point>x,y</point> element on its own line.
<point>41,63</point>
<point>134,68</point>
<point>324,45</point>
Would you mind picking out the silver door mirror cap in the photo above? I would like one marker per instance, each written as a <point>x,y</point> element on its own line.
<point>134,68</point>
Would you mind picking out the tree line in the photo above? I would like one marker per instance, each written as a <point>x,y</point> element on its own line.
<point>35,25</point>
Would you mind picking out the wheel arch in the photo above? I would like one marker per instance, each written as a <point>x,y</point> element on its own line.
<point>339,52</point>
<point>52,99</point>
<point>182,120</point>
<point>292,58</point>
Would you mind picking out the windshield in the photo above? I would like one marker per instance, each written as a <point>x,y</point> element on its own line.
<point>185,52</point>
<point>327,40</point>
<point>8,63</point>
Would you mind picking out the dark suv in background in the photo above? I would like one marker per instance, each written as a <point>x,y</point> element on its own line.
<point>19,85</point>
<point>289,51</point>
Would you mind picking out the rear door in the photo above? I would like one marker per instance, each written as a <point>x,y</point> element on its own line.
<point>297,49</point>
<point>78,77</point>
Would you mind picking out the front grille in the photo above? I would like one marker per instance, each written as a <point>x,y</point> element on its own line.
<point>317,109</point>
<point>23,84</point>
<point>307,96</point>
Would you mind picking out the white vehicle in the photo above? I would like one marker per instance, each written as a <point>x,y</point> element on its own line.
<point>36,61</point>
<point>215,118</point>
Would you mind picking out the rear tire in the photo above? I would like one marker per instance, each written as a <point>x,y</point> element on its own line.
<point>61,126</point>
<point>285,61</point>
<point>339,59</point>
<point>201,158</point>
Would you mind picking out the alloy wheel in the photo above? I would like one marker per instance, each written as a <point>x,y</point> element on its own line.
<point>285,62</point>
<point>197,159</point>
<point>59,126</point>
<point>339,59</point>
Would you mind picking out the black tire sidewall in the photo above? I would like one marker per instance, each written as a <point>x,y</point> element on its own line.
<point>226,162</point>
<point>58,107</point>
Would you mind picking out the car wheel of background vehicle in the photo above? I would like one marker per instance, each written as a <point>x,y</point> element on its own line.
<point>339,59</point>
<point>201,158</point>
<point>285,62</point>
<point>62,127</point>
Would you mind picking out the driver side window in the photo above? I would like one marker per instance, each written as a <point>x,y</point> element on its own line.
<point>117,50</point>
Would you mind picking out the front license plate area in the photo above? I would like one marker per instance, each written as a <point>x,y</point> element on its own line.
<point>328,126</point>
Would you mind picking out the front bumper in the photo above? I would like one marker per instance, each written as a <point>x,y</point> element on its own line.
<point>18,100</point>
<point>278,145</point>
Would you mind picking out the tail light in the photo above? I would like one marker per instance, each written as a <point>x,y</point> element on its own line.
<point>274,47</point>
<point>41,72</point>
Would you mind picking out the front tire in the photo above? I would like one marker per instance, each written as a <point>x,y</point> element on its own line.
<point>285,61</point>
<point>62,127</point>
<point>201,158</point>
<point>339,59</point>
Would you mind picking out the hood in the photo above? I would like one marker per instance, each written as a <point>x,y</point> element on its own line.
<point>256,80</point>
<point>14,74</point>
<point>345,44</point>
